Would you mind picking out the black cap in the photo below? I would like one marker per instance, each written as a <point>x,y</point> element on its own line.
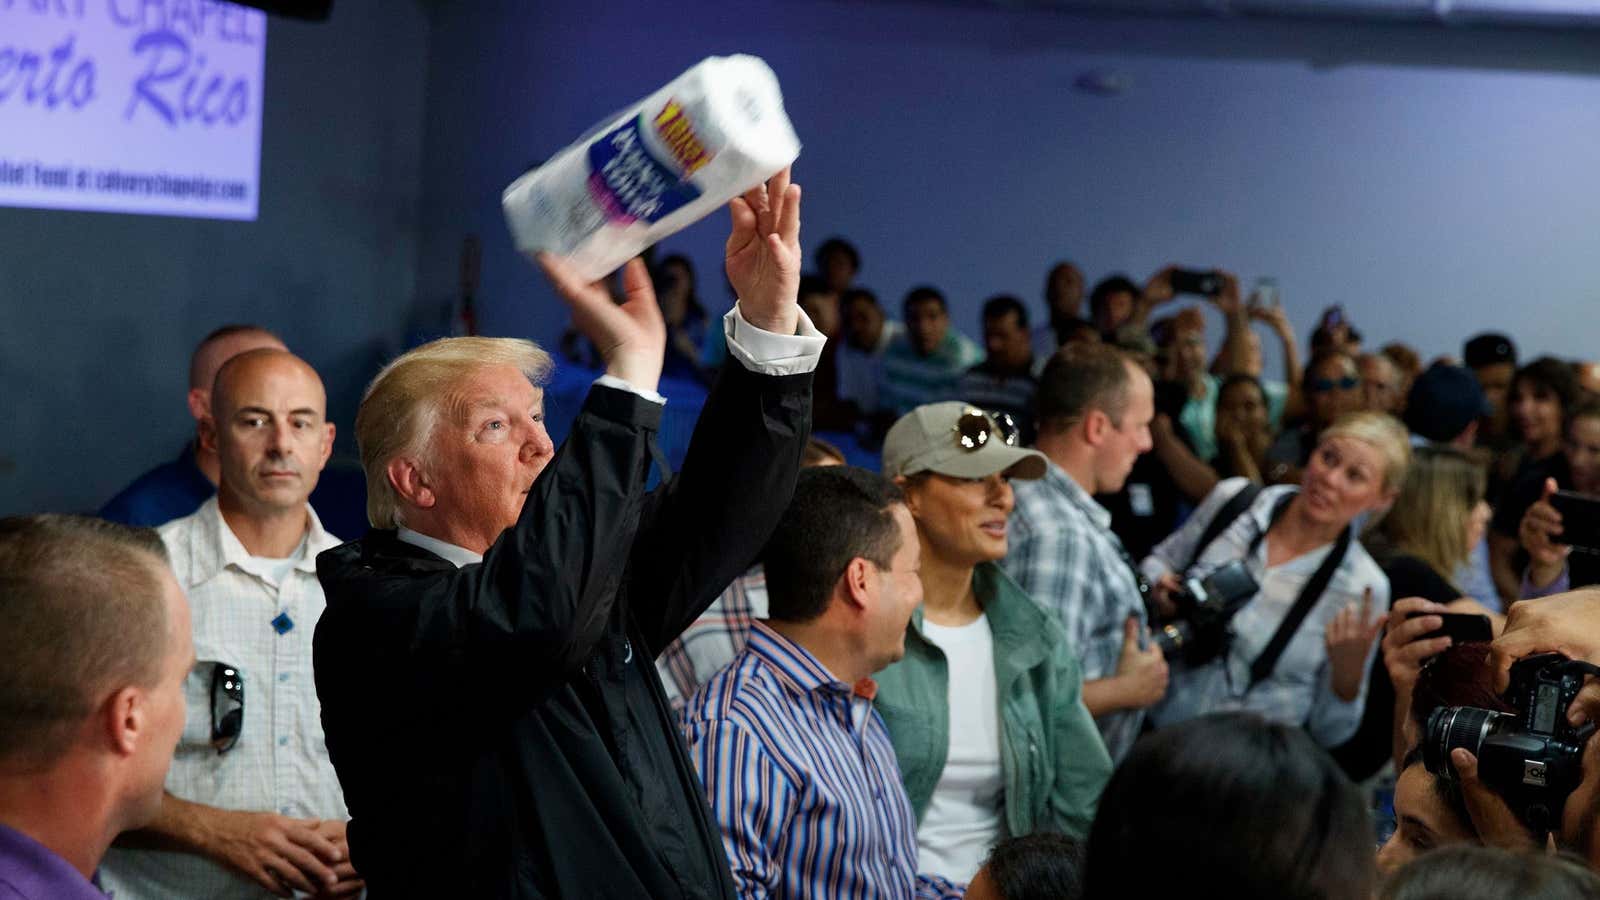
<point>1487,349</point>
<point>1443,401</point>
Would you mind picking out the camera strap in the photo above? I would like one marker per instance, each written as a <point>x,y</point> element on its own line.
<point>1309,595</point>
<point>1224,517</point>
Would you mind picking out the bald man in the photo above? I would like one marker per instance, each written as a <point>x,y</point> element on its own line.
<point>252,803</point>
<point>177,488</point>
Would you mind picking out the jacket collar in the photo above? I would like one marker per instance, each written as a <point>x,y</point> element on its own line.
<point>215,547</point>
<point>1022,629</point>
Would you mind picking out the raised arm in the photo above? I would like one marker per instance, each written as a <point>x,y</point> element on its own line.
<point>707,525</point>
<point>1277,319</point>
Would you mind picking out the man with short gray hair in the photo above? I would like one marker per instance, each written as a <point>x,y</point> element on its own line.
<point>486,661</point>
<point>255,810</point>
<point>94,635</point>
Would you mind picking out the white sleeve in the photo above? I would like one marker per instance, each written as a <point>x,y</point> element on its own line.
<point>773,354</point>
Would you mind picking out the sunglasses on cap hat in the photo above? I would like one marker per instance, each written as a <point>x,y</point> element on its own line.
<point>976,428</point>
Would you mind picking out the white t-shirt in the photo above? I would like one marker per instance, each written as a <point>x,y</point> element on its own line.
<point>963,819</point>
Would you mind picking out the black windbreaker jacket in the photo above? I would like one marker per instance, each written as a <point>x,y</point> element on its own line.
<point>499,729</point>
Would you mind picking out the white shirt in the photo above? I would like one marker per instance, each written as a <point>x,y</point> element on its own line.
<point>280,761</point>
<point>962,822</point>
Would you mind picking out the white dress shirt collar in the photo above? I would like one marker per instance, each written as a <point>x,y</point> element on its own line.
<point>457,556</point>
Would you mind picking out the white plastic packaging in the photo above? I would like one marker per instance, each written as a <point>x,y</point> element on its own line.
<point>711,134</point>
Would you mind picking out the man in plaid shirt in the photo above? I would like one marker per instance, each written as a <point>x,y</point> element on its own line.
<point>1094,408</point>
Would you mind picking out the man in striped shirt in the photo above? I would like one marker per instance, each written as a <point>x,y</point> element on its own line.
<point>802,778</point>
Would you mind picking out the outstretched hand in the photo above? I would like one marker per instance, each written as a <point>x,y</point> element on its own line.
<point>763,254</point>
<point>631,337</point>
<point>1349,635</point>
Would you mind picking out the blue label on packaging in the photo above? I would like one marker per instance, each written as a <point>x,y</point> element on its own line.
<point>629,183</point>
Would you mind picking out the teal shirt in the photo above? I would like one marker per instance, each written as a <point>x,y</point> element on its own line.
<point>1052,760</point>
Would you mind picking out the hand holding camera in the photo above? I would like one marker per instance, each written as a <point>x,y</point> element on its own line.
<point>1527,762</point>
<point>1198,632</point>
<point>1566,624</point>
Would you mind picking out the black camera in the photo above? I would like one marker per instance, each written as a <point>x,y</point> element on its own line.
<point>1199,632</point>
<point>1532,758</point>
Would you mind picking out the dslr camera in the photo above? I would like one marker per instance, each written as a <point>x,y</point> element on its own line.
<point>1532,758</point>
<point>1199,632</point>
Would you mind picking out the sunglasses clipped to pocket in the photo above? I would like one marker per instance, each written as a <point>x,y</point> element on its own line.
<point>227,706</point>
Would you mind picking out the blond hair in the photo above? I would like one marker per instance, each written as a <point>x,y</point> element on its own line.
<point>406,400</point>
<point>1384,433</point>
<point>1429,519</point>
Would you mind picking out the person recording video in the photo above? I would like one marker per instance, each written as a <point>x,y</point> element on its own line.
<point>1295,649</point>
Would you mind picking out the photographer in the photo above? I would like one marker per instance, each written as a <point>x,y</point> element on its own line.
<point>1551,568</point>
<point>1567,624</point>
<point>1297,650</point>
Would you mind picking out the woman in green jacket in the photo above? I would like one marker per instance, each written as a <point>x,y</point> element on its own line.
<point>985,710</point>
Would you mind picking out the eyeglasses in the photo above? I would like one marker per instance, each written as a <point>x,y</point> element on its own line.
<point>1323,385</point>
<point>227,707</point>
<point>975,428</point>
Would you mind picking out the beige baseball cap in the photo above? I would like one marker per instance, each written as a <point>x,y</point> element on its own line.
<point>955,439</point>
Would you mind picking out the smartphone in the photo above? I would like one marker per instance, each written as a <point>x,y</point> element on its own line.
<point>1189,281</point>
<point>1580,519</point>
<point>1265,292</point>
<point>1461,628</point>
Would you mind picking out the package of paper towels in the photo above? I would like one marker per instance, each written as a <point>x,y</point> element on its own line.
<point>711,134</point>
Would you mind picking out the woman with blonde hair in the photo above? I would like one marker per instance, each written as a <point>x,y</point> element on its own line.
<point>1424,538</point>
<point>1297,649</point>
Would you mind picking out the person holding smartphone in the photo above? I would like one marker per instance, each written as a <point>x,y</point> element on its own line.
<point>1543,531</point>
<point>1423,539</point>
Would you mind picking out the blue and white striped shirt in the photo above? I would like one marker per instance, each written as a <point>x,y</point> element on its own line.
<point>803,780</point>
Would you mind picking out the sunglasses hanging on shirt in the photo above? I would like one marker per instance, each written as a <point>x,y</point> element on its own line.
<point>227,707</point>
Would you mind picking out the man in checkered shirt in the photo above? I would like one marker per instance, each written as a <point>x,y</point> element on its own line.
<point>252,811</point>
<point>1094,410</point>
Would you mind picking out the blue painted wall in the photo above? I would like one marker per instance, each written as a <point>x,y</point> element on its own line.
<point>1435,181</point>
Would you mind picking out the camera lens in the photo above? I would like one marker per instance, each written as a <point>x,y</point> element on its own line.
<point>1450,727</point>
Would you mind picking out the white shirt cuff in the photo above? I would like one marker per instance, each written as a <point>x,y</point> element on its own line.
<point>612,381</point>
<point>767,353</point>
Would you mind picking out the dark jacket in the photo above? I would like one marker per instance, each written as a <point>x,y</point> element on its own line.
<point>499,729</point>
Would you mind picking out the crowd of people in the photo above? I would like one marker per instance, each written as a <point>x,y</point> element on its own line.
<point>1111,613</point>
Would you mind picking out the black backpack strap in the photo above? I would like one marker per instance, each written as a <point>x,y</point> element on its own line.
<point>1219,523</point>
<point>1309,595</point>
